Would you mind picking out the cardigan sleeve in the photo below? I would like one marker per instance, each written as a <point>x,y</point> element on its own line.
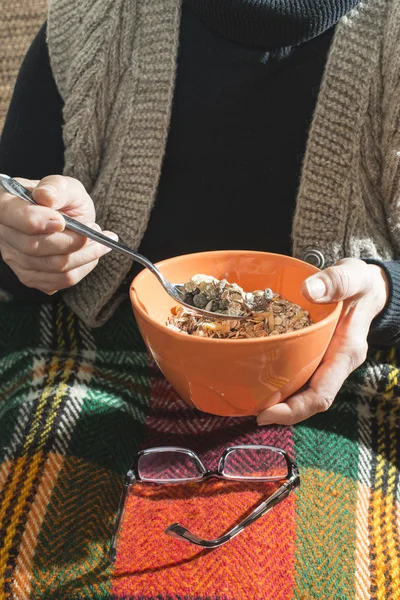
<point>390,119</point>
<point>385,328</point>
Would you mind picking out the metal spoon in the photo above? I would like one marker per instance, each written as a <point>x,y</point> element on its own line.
<point>175,290</point>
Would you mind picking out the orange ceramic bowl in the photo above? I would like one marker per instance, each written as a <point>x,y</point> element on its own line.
<point>233,377</point>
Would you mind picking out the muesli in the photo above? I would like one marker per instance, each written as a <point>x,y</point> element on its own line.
<point>267,312</point>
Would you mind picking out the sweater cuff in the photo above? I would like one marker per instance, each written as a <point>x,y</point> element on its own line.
<point>385,328</point>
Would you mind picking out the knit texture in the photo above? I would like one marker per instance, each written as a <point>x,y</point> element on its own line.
<point>75,406</point>
<point>348,202</point>
<point>270,23</point>
<point>115,65</point>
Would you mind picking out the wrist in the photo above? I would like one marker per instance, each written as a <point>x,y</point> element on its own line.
<point>380,286</point>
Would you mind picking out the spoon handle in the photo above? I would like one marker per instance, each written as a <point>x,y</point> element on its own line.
<point>176,290</point>
<point>14,187</point>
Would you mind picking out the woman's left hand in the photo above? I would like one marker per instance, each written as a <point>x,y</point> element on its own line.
<point>364,289</point>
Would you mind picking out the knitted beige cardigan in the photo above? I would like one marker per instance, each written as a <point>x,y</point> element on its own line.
<point>115,61</point>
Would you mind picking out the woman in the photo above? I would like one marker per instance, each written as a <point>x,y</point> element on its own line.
<point>213,125</point>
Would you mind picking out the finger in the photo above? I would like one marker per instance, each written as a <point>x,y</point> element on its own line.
<point>60,263</point>
<point>348,278</point>
<point>49,283</point>
<point>65,242</point>
<point>66,194</point>
<point>318,397</point>
<point>26,218</point>
<point>44,244</point>
<point>30,184</point>
<point>346,352</point>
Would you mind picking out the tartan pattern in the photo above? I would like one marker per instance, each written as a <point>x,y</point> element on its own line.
<point>75,406</point>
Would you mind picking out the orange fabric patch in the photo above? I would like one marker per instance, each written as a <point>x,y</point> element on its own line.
<point>257,564</point>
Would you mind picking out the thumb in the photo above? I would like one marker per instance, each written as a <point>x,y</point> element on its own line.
<point>66,193</point>
<point>50,191</point>
<point>348,278</point>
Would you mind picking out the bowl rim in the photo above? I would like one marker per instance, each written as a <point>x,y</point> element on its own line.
<point>334,315</point>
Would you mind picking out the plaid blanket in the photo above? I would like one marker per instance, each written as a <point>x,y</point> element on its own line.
<point>77,404</point>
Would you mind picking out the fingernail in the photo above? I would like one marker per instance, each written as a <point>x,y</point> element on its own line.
<point>316,288</point>
<point>54,225</point>
<point>50,189</point>
<point>112,235</point>
<point>264,421</point>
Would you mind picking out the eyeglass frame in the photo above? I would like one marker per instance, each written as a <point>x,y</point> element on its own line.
<point>292,481</point>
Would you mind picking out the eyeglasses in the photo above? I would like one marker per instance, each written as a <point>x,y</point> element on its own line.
<point>170,464</point>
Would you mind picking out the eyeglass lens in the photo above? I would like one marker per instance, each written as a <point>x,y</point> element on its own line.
<point>255,462</point>
<point>167,465</point>
<point>240,463</point>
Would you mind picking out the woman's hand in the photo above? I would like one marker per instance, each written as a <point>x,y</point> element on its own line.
<point>364,289</point>
<point>33,239</point>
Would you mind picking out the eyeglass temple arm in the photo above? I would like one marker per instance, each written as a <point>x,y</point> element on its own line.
<point>178,531</point>
<point>129,479</point>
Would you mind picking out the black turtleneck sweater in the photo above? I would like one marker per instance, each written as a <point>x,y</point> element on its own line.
<point>248,78</point>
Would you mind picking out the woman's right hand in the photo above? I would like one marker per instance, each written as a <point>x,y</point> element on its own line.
<point>34,242</point>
